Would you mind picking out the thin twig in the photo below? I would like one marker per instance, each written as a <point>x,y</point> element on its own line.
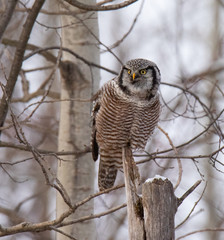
<point>180,200</point>
<point>201,231</point>
<point>98,215</point>
<point>177,157</point>
<point>87,7</point>
<point>186,194</point>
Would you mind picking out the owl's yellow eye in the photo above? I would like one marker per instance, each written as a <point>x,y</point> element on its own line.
<point>143,71</point>
<point>129,71</point>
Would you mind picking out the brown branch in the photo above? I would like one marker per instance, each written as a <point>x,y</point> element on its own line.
<point>6,16</point>
<point>13,216</point>
<point>104,2</point>
<point>16,162</point>
<point>38,69</point>
<point>62,12</point>
<point>152,155</point>
<point>40,91</point>
<point>11,176</point>
<point>50,57</point>
<point>208,72</point>
<point>200,231</point>
<point>98,215</point>
<point>92,64</point>
<point>49,80</point>
<point>18,59</point>
<point>87,149</point>
<point>99,8</point>
<point>32,227</point>
<point>196,203</point>
<point>203,105</point>
<point>116,44</point>
<point>40,160</point>
<point>177,157</point>
<point>186,194</point>
<point>63,233</point>
<point>97,39</point>
<point>43,11</point>
<point>55,101</point>
<point>13,43</point>
<point>42,151</point>
<point>37,93</point>
<point>47,225</point>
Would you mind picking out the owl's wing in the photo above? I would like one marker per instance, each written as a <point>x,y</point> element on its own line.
<point>96,107</point>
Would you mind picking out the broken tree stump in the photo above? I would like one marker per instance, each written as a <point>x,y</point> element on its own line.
<point>150,217</point>
<point>160,205</point>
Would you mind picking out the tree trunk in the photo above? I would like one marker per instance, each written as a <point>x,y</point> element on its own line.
<point>79,81</point>
<point>211,99</point>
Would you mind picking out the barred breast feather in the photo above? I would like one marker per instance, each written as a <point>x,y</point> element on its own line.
<point>119,120</point>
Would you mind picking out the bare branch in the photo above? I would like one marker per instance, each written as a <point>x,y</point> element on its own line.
<point>50,57</point>
<point>202,230</point>
<point>47,225</point>
<point>63,233</point>
<point>180,200</point>
<point>17,62</point>
<point>116,44</point>
<point>99,8</point>
<point>152,155</point>
<point>204,106</point>
<point>98,215</point>
<point>6,16</point>
<point>39,50</point>
<point>186,194</point>
<point>177,157</point>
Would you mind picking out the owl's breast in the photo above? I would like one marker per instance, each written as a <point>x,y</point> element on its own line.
<point>144,123</point>
<point>120,121</point>
<point>113,122</point>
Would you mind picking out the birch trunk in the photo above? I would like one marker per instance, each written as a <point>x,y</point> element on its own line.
<point>79,81</point>
<point>211,98</point>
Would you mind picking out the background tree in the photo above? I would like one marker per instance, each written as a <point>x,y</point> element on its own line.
<point>79,81</point>
<point>187,45</point>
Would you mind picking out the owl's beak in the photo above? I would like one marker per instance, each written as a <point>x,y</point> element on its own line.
<point>133,76</point>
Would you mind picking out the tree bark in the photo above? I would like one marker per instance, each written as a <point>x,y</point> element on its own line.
<point>159,203</point>
<point>152,216</point>
<point>211,97</point>
<point>6,16</point>
<point>18,59</point>
<point>134,204</point>
<point>79,81</point>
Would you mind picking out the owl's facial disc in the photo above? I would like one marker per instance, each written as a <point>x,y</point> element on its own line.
<point>139,78</point>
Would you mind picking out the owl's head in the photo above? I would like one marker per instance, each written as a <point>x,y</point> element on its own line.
<point>140,78</point>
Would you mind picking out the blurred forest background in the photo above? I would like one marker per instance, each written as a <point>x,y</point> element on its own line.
<point>185,38</point>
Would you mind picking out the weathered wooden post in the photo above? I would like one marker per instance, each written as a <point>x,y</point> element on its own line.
<point>160,205</point>
<point>150,217</point>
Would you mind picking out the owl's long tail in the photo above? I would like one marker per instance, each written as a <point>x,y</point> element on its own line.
<point>110,162</point>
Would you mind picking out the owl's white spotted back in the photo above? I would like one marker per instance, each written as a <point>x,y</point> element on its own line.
<point>125,112</point>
